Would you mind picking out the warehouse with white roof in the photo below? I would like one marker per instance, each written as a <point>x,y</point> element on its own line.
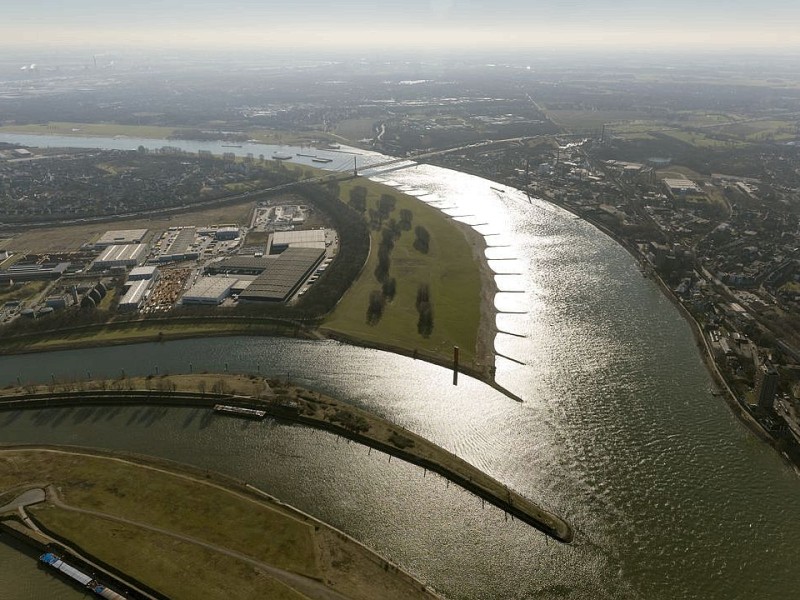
<point>209,290</point>
<point>128,255</point>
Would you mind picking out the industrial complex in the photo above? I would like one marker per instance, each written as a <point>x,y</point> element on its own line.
<point>148,270</point>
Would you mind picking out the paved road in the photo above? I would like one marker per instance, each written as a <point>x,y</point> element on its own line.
<point>32,496</point>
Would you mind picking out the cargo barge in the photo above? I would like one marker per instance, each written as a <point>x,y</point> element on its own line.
<point>53,560</point>
<point>240,411</point>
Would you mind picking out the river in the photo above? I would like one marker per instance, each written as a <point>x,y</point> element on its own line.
<point>671,497</point>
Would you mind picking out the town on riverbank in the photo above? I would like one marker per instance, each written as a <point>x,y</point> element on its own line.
<point>722,247</point>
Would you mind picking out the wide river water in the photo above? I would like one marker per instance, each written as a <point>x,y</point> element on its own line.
<point>671,497</point>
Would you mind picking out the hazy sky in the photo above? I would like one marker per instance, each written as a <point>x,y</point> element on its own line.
<point>410,24</point>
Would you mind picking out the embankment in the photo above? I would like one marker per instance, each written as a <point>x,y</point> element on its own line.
<point>312,409</point>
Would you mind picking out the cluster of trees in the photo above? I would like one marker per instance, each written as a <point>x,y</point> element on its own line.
<point>375,306</point>
<point>422,241</point>
<point>358,199</point>
<point>388,236</point>
<point>425,310</point>
<point>322,297</point>
<point>406,216</point>
<point>393,230</point>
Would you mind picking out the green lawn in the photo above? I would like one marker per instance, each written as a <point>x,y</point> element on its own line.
<point>448,268</point>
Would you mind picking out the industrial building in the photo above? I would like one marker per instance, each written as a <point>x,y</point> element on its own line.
<point>143,272</point>
<point>228,232</point>
<point>180,246</point>
<point>33,271</point>
<point>240,265</point>
<point>682,187</point>
<point>121,237</point>
<point>128,255</point>
<point>59,301</point>
<point>289,214</point>
<point>136,295</point>
<point>209,290</point>
<point>283,275</point>
<point>310,238</point>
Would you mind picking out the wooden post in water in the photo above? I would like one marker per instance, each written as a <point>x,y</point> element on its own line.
<point>455,365</point>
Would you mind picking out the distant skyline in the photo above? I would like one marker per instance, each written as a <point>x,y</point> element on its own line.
<point>409,25</point>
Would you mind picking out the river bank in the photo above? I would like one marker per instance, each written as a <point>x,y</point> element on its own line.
<point>293,404</point>
<point>732,401</point>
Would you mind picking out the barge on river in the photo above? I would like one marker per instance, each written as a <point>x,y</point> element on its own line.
<point>240,411</point>
<point>53,560</point>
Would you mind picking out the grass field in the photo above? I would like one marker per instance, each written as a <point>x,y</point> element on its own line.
<point>591,119</point>
<point>356,129</point>
<point>242,385</point>
<point>92,129</point>
<point>203,507</point>
<point>763,130</point>
<point>702,140</point>
<point>678,171</point>
<point>267,136</point>
<point>161,561</point>
<point>448,268</point>
<point>289,138</point>
<point>261,531</point>
<point>699,128</point>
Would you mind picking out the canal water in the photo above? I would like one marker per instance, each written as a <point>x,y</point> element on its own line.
<point>670,496</point>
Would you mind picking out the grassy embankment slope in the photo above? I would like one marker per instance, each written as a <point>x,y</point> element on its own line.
<point>449,268</point>
<point>189,505</point>
<point>132,332</point>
